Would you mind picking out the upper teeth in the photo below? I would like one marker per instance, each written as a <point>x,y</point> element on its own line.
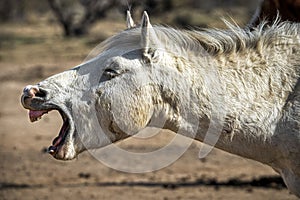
<point>33,119</point>
<point>36,115</point>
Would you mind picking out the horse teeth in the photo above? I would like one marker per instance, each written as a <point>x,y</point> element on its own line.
<point>51,150</point>
<point>32,119</point>
<point>36,115</point>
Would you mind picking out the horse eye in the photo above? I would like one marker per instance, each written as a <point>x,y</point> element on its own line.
<point>111,73</point>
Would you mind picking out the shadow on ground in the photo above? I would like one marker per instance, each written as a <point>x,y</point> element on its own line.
<point>274,182</point>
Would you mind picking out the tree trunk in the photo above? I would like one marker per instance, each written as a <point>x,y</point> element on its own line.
<point>288,10</point>
<point>92,11</point>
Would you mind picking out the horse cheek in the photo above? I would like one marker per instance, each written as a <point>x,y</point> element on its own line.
<point>141,112</point>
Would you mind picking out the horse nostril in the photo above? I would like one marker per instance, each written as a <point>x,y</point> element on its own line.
<point>41,93</point>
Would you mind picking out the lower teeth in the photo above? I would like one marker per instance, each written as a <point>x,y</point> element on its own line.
<point>51,149</point>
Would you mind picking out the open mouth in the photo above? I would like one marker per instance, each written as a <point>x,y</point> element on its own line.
<point>57,143</point>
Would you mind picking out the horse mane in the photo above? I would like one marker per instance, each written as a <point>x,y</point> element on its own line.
<point>236,39</point>
<point>213,41</point>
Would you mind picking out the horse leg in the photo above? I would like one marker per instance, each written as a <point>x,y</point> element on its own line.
<point>288,137</point>
<point>292,181</point>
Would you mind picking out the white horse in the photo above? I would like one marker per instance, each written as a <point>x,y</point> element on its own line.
<point>243,84</point>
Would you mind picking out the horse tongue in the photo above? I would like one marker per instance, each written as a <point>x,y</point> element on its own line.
<point>35,115</point>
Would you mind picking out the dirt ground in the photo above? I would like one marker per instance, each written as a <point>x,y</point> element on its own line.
<point>31,52</point>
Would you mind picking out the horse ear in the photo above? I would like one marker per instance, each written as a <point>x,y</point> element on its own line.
<point>145,37</point>
<point>148,37</point>
<point>129,21</point>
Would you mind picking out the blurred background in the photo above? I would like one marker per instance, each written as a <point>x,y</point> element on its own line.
<point>39,38</point>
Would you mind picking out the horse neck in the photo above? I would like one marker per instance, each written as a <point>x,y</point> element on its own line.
<point>251,89</point>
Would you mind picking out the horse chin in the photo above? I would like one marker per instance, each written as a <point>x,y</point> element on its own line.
<point>65,151</point>
<point>63,146</point>
<point>69,149</point>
